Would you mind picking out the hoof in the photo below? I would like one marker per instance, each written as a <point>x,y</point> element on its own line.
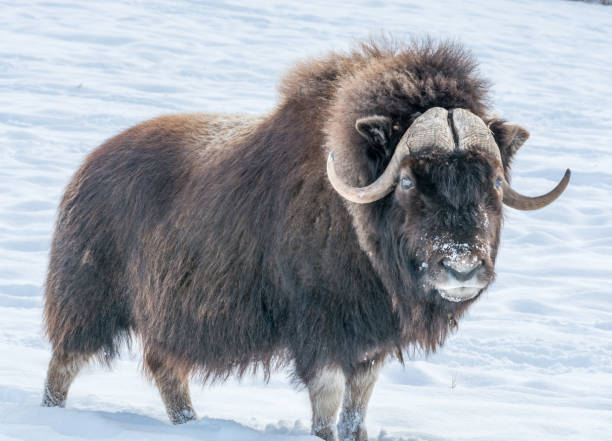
<point>53,399</point>
<point>327,433</point>
<point>183,416</point>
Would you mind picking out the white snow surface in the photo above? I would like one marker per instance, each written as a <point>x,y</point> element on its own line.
<point>533,359</point>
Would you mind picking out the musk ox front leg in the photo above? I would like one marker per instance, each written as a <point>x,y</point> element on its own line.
<point>359,387</point>
<point>326,390</point>
<point>173,385</point>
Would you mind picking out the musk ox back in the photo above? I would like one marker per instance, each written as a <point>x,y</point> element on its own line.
<point>358,219</point>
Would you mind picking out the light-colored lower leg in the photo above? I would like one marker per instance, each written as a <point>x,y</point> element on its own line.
<point>326,391</point>
<point>173,387</point>
<point>359,387</point>
<point>60,375</point>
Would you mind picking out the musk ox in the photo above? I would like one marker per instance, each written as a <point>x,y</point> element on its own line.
<point>358,219</point>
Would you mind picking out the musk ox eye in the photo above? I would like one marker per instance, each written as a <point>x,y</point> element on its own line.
<point>406,183</point>
<point>498,183</point>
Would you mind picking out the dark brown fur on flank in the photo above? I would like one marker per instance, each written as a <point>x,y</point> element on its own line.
<point>218,240</point>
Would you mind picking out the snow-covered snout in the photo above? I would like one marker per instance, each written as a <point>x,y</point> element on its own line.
<point>459,272</point>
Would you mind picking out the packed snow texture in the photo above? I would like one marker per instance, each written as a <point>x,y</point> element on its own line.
<point>533,360</point>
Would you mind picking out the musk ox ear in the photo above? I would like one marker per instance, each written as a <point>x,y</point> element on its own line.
<point>376,129</point>
<point>509,139</point>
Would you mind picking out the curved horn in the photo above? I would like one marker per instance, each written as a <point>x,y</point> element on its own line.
<point>516,200</point>
<point>472,132</point>
<point>429,129</point>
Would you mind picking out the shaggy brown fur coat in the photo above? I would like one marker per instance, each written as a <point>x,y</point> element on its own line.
<point>218,240</point>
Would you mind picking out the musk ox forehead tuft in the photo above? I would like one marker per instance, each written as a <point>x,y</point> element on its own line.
<point>422,77</point>
<point>391,78</point>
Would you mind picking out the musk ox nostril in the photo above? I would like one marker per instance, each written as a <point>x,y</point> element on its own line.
<point>461,269</point>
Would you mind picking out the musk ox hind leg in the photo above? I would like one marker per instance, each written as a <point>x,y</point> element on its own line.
<point>359,387</point>
<point>325,390</point>
<point>63,369</point>
<point>83,319</point>
<point>173,385</point>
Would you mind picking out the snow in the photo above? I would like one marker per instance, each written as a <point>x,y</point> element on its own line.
<point>533,360</point>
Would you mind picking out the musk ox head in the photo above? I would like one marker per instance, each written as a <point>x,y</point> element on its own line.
<point>448,180</point>
<point>424,177</point>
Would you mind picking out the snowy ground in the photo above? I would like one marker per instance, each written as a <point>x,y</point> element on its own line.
<point>534,358</point>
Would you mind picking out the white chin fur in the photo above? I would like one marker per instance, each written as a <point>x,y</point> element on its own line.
<point>459,294</point>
